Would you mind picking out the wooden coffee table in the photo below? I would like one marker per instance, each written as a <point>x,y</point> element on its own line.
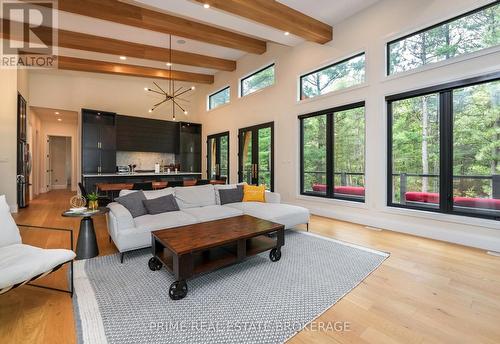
<point>190,250</point>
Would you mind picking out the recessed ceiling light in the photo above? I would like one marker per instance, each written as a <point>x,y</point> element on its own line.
<point>123,58</point>
<point>287,33</point>
<point>57,113</point>
<point>206,6</point>
<point>181,41</point>
<point>169,64</point>
<point>59,119</point>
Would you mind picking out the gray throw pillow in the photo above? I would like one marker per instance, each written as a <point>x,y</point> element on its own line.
<point>231,195</point>
<point>133,203</point>
<point>161,205</point>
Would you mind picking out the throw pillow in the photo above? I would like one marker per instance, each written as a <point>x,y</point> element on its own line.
<point>133,203</point>
<point>252,193</point>
<point>161,205</point>
<point>231,195</point>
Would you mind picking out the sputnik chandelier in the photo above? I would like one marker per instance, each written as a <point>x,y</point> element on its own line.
<point>171,94</point>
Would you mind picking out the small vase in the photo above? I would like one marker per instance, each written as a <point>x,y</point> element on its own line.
<point>93,205</point>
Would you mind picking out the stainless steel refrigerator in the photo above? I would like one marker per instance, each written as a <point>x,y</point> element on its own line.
<point>23,155</point>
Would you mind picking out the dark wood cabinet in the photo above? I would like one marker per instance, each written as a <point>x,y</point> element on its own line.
<point>138,134</point>
<point>189,156</point>
<point>98,142</point>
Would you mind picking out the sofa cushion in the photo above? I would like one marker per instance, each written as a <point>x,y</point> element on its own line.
<point>9,233</point>
<point>151,194</point>
<point>195,196</point>
<point>212,212</point>
<point>161,204</point>
<point>286,214</point>
<point>148,223</point>
<point>231,195</point>
<point>218,187</point>
<point>133,203</point>
<point>19,262</point>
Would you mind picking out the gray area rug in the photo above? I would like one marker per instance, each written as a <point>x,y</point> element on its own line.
<point>256,301</point>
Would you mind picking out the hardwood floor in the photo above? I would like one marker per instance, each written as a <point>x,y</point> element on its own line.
<point>426,292</point>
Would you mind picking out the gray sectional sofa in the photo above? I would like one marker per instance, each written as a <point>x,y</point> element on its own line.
<point>197,204</point>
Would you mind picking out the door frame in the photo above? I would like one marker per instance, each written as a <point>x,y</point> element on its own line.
<point>255,149</point>
<point>217,149</point>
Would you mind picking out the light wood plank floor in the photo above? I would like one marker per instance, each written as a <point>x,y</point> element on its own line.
<point>426,292</point>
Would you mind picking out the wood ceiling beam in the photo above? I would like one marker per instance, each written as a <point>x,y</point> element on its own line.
<point>275,14</point>
<point>127,14</point>
<point>82,41</point>
<point>94,66</point>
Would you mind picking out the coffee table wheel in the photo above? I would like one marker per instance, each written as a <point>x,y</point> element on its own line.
<point>275,254</point>
<point>155,264</point>
<point>178,290</point>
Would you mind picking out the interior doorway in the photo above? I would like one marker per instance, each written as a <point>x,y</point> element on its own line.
<point>59,172</point>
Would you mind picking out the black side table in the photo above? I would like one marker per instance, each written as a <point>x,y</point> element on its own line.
<point>86,246</point>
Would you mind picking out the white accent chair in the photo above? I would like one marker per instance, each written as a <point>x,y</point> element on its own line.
<point>20,263</point>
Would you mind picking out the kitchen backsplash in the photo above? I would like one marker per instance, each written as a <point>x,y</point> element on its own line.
<point>143,160</point>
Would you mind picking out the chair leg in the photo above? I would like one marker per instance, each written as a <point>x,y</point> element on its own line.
<point>72,281</point>
<point>121,257</point>
<point>307,226</point>
<point>109,238</point>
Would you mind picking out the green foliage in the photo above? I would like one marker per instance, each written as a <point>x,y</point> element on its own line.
<point>257,81</point>
<point>93,196</point>
<point>220,98</point>
<point>336,77</point>
<point>468,34</point>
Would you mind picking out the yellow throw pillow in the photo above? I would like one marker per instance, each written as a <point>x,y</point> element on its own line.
<point>252,193</point>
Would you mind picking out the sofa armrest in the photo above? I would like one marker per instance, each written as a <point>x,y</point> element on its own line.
<point>119,218</point>
<point>272,197</point>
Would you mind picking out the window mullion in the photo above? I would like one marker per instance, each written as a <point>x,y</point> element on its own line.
<point>446,151</point>
<point>329,155</point>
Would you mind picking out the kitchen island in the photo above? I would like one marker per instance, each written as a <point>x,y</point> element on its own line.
<point>90,180</point>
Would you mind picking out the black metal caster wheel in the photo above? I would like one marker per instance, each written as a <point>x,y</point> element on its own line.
<point>178,290</point>
<point>275,255</point>
<point>155,264</point>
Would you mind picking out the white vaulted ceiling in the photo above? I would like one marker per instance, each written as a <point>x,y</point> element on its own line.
<point>327,11</point>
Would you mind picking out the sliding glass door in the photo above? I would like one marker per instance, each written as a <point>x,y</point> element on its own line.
<point>218,156</point>
<point>256,155</point>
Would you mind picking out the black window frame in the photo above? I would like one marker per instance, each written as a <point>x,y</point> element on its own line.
<point>445,96</point>
<point>460,16</point>
<point>301,88</point>
<point>330,168</point>
<point>257,72</point>
<point>217,138</point>
<point>217,92</point>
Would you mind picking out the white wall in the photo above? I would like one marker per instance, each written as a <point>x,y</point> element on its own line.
<point>367,31</point>
<point>73,91</point>
<point>8,135</point>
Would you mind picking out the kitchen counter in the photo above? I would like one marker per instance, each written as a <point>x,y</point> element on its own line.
<point>141,174</point>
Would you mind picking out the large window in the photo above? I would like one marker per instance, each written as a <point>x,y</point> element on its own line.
<point>333,153</point>
<point>473,31</point>
<point>343,74</point>
<point>219,98</point>
<point>444,148</point>
<point>258,80</point>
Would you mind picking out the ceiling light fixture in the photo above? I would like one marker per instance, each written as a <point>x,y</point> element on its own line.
<point>123,58</point>
<point>207,6</point>
<point>171,94</point>
<point>287,33</point>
